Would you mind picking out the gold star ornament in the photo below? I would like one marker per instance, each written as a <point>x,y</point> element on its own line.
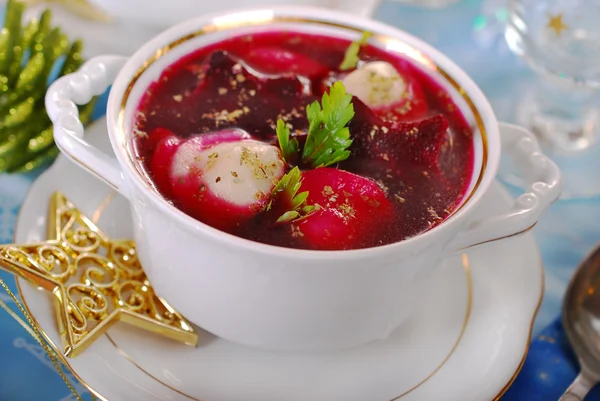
<point>95,281</point>
<point>556,23</point>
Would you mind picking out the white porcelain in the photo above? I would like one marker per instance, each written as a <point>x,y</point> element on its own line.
<point>278,298</point>
<point>506,288</point>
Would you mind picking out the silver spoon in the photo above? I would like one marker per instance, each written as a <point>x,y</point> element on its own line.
<point>581,321</point>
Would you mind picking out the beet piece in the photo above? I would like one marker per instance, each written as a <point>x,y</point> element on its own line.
<point>256,100</point>
<point>420,141</point>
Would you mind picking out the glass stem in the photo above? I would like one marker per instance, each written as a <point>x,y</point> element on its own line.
<point>565,119</point>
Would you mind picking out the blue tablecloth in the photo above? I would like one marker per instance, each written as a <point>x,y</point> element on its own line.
<point>472,36</point>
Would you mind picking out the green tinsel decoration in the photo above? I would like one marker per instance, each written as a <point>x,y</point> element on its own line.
<point>27,57</point>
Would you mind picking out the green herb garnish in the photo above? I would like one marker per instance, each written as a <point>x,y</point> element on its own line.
<point>328,137</point>
<point>326,143</point>
<point>286,191</point>
<point>289,147</point>
<point>351,57</point>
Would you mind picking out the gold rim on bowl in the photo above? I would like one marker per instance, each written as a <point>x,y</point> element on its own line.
<point>418,57</point>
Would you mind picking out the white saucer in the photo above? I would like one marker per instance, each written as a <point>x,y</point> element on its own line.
<point>466,342</point>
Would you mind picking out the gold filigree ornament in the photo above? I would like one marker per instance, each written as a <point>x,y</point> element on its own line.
<point>96,281</point>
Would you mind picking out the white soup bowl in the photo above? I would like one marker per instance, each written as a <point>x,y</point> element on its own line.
<point>272,297</point>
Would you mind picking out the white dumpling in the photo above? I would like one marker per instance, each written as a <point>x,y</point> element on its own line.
<point>377,84</point>
<point>241,173</point>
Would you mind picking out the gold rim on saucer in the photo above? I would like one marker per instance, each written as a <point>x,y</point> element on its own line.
<point>535,312</point>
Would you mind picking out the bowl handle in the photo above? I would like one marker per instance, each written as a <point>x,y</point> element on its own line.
<point>544,189</point>
<point>92,79</point>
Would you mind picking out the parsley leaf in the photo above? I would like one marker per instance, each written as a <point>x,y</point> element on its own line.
<point>328,137</point>
<point>286,192</point>
<point>351,57</point>
<point>326,143</point>
<point>289,147</point>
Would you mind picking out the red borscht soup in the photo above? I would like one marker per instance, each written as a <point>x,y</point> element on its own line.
<point>305,141</point>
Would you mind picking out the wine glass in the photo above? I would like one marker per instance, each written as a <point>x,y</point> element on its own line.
<point>560,41</point>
